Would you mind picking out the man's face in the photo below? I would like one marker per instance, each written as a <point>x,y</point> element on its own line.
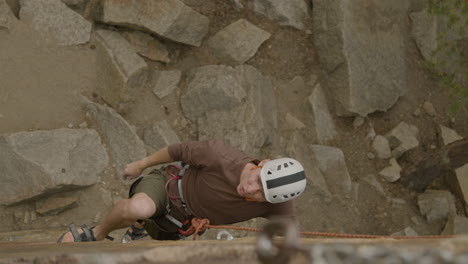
<point>250,185</point>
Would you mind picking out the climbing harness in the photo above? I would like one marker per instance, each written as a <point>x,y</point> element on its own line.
<point>191,226</point>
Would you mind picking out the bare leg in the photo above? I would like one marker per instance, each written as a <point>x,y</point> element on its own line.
<point>123,214</point>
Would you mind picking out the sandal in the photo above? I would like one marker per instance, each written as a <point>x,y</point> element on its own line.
<point>86,236</point>
<point>134,233</point>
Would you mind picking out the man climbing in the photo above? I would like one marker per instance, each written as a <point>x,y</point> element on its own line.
<point>218,182</point>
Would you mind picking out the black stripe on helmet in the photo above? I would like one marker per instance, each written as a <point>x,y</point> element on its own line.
<point>298,176</point>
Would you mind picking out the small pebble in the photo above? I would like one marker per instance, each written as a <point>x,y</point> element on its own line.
<point>429,108</point>
<point>370,155</point>
<point>433,146</point>
<point>358,121</point>
<point>371,135</point>
<point>417,112</point>
<point>83,125</point>
<point>70,125</point>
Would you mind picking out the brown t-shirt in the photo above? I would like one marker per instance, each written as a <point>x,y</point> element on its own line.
<point>210,184</point>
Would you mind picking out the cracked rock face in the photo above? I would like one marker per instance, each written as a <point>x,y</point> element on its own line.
<point>122,141</point>
<point>357,40</point>
<point>170,19</point>
<point>238,42</point>
<point>288,13</point>
<point>39,162</point>
<point>53,19</point>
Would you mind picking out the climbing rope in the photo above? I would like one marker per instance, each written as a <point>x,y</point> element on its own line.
<point>200,225</point>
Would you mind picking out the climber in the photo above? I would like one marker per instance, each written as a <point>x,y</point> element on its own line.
<point>215,181</point>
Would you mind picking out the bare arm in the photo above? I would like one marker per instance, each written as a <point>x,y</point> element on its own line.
<point>135,168</point>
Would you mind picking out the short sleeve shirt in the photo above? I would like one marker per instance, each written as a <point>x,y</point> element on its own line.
<point>210,184</point>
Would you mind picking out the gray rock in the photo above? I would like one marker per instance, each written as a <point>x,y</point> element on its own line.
<point>332,165</point>
<point>371,134</point>
<point>370,155</point>
<point>397,202</point>
<point>462,181</point>
<point>160,135</point>
<point>456,225</point>
<point>122,142</point>
<point>436,205</point>
<point>54,20</point>
<point>165,82</point>
<point>55,205</point>
<point>83,124</point>
<point>429,108</point>
<point>432,31</point>
<point>372,180</point>
<point>448,135</point>
<point>288,13</point>
<point>238,42</point>
<point>324,124</point>
<point>248,117</point>
<point>120,68</point>
<point>237,4</point>
<point>391,173</point>
<point>213,87</point>
<point>358,121</point>
<point>7,18</point>
<point>27,217</point>
<point>293,123</point>
<point>425,32</point>
<point>41,162</point>
<point>170,19</point>
<point>408,231</point>
<point>402,138</point>
<point>147,46</point>
<point>296,148</point>
<point>382,147</point>
<point>356,40</point>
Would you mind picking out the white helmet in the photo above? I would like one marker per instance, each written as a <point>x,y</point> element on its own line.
<point>282,179</point>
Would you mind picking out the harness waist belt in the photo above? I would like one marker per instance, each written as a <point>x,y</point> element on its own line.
<point>182,199</point>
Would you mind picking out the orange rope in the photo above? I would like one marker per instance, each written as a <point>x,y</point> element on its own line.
<point>202,224</point>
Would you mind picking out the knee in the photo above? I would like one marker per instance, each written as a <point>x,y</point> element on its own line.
<point>140,206</point>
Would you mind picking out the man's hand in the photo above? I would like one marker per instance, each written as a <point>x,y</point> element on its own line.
<point>133,170</point>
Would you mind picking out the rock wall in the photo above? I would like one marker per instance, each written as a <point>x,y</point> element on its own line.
<point>361,46</point>
<point>274,78</point>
